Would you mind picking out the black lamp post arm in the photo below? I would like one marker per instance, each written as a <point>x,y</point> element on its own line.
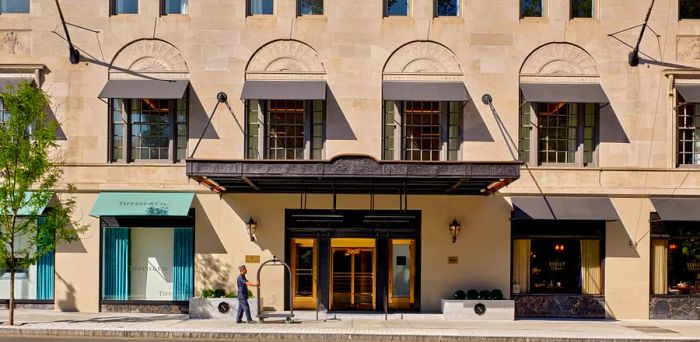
<point>634,55</point>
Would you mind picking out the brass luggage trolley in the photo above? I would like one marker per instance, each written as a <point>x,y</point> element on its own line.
<point>287,315</point>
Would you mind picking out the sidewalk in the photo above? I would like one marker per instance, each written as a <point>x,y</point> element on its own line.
<point>347,327</point>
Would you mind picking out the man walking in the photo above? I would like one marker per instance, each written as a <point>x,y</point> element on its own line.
<point>243,305</point>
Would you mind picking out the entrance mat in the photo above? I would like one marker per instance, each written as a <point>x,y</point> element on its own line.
<point>651,330</point>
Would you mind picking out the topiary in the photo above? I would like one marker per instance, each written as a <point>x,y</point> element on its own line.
<point>459,294</point>
<point>472,294</point>
<point>496,294</point>
<point>219,293</point>
<point>484,294</point>
<point>207,293</point>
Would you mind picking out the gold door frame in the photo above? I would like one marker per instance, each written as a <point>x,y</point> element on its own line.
<point>402,303</point>
<point>358,244</point>
<point>304,302</point>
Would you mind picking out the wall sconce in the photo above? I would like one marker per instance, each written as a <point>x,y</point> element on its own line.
<point>455,228</point>
<point>251,225</point>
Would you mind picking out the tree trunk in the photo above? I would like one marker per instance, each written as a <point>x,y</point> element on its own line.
<point>12,294</point>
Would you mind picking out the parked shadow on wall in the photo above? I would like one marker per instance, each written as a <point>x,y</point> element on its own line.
<point>337,126</point>
<point>215,274</point>
<point>611,130</point>
<point>270,227</point>
<point>206,239</point>
<point>619,244</point>
<point>474,126</point>
<point>76,246</point>
<point>199,117</point>
<point>68,302</point>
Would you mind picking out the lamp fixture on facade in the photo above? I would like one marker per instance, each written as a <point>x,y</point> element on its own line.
<point>455,228</point>
<point>251,225</point>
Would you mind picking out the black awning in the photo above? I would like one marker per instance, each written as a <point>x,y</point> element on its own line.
<point>284,90</point>
<point>690,92</point>
<point>677,209</point>
<point>563,208</point>
<point>353,175</point>
<point>561,92</point>
<point>144,89</point>
<point>424,91</point>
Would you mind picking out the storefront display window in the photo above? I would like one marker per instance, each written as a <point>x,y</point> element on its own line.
<point>147,264</point>
<point>35,282</point>
<point>676,266</point>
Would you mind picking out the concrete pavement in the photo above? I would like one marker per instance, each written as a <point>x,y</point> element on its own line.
<point>419,327</point>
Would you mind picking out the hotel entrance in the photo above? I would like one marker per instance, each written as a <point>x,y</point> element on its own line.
<point>353,260</point>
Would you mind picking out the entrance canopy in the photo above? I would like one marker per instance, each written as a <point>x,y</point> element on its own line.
<point>424,91</point>
<point>563,208</point>
<point>353,175</point>
<point>284,90</point>
<point>144,89</point>
<point>677,209</point>
<point>115,204</point>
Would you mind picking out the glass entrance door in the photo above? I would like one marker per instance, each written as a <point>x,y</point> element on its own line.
<point>353,274</point>
<point>304,266</point>
<point>402,274</point>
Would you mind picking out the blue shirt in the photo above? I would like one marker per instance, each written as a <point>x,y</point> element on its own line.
<point>242,283</point>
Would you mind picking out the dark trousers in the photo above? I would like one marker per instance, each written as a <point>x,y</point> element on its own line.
<point>243,306</point>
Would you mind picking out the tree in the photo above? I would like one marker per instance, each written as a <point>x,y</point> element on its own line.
<point>30,171</point>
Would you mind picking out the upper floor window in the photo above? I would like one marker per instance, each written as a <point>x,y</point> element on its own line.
<point>175,7</point>
<point>310,7</point>
<point>446,8</point>
<point>688,9</point>
<point>559,133</point>
<point>582,8</point>
<point>285,129</point>
<point>397,8</point>
<point>4,115</point>
<point>422,130</point>
<point>531,8</point>
<point>14,6</point>
<point>258,7</point>
<point>688,116</point>
<point>125,6</point>
<point>148,129</point>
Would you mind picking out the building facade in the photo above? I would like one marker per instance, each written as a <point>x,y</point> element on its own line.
<point>356,139</point>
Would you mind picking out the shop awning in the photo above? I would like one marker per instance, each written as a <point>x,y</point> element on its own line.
<point>352,174</point>
<point>27,210</point>
<point>561,92</point>
<point>114,204</point>
<point>424,91</point>
<point>677,209</point>
<point>563,208</point>
<point>690,92</point>
<point>144,89</point>
<point>284,90</point>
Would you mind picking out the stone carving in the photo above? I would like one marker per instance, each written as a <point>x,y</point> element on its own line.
<point>559,59</point>
<point>423,57</point>
<point>285,56</point>
<point>15,43</point>
<point>150,55</point>
<point>688,48</point>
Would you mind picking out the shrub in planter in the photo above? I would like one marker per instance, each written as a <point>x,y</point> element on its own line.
<point>472,294</point>
<point>459,294</point>
<point>207,293</point>
<point>496,294</point>
<point>219,293</point>
<point>484,294</point>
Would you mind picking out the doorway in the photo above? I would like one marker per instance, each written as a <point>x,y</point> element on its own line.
<point>353,280</point>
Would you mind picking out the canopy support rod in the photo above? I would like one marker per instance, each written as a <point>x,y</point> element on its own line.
<point>250,183</point>
<point>73,53</point>
<point>634,55</point>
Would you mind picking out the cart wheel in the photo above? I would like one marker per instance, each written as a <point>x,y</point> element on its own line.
<point>288,320</point>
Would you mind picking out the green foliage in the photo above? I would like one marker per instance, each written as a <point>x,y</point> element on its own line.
<point>231,294</point>
<point>496,294</point>
<point>219,293</point>
<point>207,293</point>
<point>484,294</point>
<point>459,294</point>
<point>472,294</point>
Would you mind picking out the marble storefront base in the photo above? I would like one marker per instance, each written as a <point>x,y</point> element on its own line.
<point>674,307</point>
<point>559,306</point>
<point>28,306</point>
<point>167,308</point>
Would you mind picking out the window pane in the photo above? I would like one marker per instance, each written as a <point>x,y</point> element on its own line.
<point>555,266</point>
<point>150,129</point>
<point>689,9</point>
<point>684,266</point>
<point>285,130</point>
<point>422,130</point>
<point>582,8</point>
<point>126,6</point>
<point>311,7</point>
<point>176,7</point>
<point>525,131</point>
<point>261,6</point>
<point>531,8</point>
<point>14,6</point>
<point>252,130</point>
<point>396,7</point>
<point>557,132</point>
<point>447,8</point>
<point>688,133</point>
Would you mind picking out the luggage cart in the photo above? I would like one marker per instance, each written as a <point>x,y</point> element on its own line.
<point>287,315</point>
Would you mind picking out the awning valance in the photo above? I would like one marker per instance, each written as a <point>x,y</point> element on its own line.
<point>677,209</point>
<point>284,90</point>
<point>424,91</point>
<point>563,208</point>
<point>40,206</point>
<point>690,92</point>
<point>142,204</point>
<point>144,89</point>
<point>562,92</point>
<point>353,175</point>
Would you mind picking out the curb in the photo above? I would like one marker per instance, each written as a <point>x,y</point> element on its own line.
<point>265,336</point>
